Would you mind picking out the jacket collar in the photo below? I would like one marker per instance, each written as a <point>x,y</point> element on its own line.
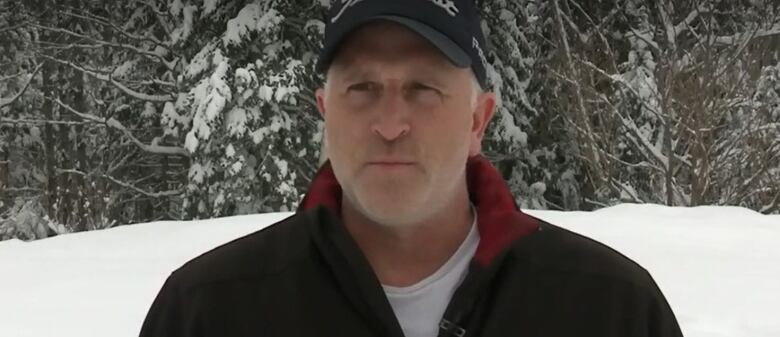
<point>500,221</point>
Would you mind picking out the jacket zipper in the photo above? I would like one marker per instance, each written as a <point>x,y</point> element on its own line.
<point>469,298</point>
<point>448,329</point>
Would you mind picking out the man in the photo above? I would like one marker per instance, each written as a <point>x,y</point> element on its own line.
<point>407,230</point>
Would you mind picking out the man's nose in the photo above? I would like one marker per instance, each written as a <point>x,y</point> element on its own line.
<point>392,121</point>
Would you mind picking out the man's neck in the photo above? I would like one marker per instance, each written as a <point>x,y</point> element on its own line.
<point>402,256</point>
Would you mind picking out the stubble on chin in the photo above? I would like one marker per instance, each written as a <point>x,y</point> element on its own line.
<point>390,205</point>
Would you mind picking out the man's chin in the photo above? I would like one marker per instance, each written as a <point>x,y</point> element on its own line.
<point>394,220</point>
<point>392,214</point>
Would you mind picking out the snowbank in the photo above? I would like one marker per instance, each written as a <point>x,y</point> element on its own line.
<point>718,266</point>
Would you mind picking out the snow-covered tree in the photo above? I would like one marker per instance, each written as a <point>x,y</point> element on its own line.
<point>748,153</point>
<point>247,116</point>
<point>651,86</point>
<point>115,113</point>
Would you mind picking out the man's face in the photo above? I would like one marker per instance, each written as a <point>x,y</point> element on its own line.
<point>400,124</point>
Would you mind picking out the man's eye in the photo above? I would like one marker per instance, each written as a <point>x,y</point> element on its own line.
<point>422,94</point>
<point>421,87</point>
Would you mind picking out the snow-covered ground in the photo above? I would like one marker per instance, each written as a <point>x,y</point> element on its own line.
<point>718,266</point>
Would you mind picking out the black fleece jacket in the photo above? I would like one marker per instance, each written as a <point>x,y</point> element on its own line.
<point>305,276</point>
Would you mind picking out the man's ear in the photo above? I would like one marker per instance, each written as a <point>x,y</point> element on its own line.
<point>482,114</point>
<point>321,101</point>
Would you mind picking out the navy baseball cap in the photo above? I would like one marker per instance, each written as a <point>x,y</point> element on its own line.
<point>452,26</point>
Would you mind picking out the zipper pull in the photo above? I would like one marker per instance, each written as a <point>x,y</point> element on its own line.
<point>447,328</point>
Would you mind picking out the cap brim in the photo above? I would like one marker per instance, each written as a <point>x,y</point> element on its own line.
<point>449,48</point>
<point>457,56</point>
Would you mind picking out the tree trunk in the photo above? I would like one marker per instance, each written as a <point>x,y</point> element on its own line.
<point>80,191</point>
<point>5,196</point>
<point>50,197</point>
<point>64,193</point>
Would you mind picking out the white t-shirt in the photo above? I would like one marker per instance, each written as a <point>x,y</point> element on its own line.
<point>420,307</point>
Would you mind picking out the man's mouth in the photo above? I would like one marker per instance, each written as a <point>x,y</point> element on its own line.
<point>390,163</point>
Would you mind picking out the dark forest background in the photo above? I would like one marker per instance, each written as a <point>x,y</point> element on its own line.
<point>122,112</point>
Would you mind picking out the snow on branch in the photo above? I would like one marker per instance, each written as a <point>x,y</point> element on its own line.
<point>120,86</point>
<point>8,101</point>
<point>111,122</point>
<point>138,95</point>
<point>128,47</point>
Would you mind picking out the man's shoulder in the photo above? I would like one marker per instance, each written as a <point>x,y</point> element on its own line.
<point>251,257</point>
<point>557,250</point>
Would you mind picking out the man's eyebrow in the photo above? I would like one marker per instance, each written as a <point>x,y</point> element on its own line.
<point>355,74</point>
<point>431,78</point>
<point>352,73</point>
<point>432,74</point>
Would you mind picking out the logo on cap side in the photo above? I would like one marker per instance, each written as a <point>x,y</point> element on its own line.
<point>481,53</point>
<point>447,5</point>
<point>346,5</point>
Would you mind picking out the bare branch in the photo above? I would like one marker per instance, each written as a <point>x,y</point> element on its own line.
<point>19,25</point>
<point>692,16</point>
<point>630,125</point>
<point>6,78</point>
<point>651,44</point>
<point>128,47</point>
<point>106,22</point>
<point>578,89</point>
<point>669,27</point>
<point>8,101</point>
<point>22,189</point>
<point>85,15</point>
<point>582,37</point>
<point>740,38</point>
<point>161,194</point>
<point>772,205</point>
<point>153,8</point>
<point>4,120</point>
<point>628,191</point>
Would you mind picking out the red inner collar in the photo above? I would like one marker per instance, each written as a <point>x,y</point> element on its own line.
<point>500,221</point>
